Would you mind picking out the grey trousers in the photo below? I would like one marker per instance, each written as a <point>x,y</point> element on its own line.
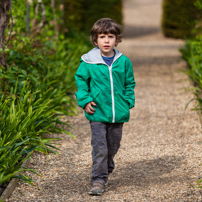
<point>106,138</point>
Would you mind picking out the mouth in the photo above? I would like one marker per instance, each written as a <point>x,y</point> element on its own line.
<point>106,46</point>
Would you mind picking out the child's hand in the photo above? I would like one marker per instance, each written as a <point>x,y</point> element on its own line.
<point>89,109</point>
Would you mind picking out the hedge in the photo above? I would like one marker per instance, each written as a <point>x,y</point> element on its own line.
<point>84,14</point>
<point>179,18</point>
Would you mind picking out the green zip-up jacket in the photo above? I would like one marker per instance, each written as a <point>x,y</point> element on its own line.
<point>110,87</point>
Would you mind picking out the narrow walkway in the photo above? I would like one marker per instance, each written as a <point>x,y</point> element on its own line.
<point>160,155</point>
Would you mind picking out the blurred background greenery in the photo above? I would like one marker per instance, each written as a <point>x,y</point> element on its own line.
<point>180,18</point>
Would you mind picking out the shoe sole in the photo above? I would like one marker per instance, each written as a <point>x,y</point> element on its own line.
<point>96,194</point>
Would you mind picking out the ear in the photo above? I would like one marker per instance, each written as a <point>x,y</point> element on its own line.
<point>117,42</point>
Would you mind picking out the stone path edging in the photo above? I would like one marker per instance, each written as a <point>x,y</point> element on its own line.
<point>12,184</point>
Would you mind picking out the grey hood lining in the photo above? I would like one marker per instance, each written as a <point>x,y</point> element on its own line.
<point>94,56</point>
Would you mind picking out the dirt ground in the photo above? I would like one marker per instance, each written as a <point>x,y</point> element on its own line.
<point>161,151</point>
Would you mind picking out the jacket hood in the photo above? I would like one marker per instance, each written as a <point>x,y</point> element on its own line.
<point>94,56</point>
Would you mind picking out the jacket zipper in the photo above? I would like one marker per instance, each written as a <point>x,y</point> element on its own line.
<point>112,90</point>
<point>112,93</point>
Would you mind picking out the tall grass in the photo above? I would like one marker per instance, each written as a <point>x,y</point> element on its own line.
<point>38,87</point>
<point>24,121</point>
<point>35,92</point>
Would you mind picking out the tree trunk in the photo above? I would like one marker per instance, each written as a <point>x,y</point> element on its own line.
<point>5,6</point>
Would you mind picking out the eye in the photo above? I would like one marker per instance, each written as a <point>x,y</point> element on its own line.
<point>101,36</point>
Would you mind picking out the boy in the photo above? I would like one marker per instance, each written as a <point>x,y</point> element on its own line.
<point>105,84</point>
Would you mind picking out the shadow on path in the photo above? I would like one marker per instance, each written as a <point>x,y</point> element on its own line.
<point>135,31</point>
<point>147,172</point>
<point>147,62</point>
<point>136,174</point>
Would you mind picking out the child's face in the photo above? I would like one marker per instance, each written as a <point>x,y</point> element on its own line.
<point>106,43</point>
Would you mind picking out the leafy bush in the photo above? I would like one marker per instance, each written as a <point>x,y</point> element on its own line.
<point>179,18</point>
<point>85,13</point>
<point>36,91</point>
<point>24,121</point>
<point>192,54</point>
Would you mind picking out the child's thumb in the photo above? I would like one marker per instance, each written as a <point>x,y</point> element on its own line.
<point>93,103</point>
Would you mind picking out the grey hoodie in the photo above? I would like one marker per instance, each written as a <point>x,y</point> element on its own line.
<point>94,56</point>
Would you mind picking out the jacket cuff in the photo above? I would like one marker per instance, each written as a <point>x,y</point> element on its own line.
<point>131,104</point>
<point>83,103</point>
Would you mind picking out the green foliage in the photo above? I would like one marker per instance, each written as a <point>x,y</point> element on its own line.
<point>179,18</point>
<point>198,27</point>
<point>25,119</point>
<point>35,93</point>
<point>85,13</point>
<point>192,54</point>
<point>37,89</point>
<point>19,16</point>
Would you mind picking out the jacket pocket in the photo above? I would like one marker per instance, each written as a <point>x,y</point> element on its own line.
<point>102,96</point>
<point>122,113</point>
<point>102,99</point>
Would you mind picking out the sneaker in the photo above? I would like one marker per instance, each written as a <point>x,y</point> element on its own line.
<point>97,189</point>
<point>105,181</point>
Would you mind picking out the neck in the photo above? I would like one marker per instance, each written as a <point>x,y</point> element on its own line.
<point>108,55</point>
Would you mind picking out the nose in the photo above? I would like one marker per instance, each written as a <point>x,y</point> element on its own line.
<point>106,39</point>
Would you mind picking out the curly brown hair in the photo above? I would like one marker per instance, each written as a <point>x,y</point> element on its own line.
<point>105,26</point>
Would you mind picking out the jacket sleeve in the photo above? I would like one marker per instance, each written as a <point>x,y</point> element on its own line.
<point>82,78</point>
<point>130,84</point>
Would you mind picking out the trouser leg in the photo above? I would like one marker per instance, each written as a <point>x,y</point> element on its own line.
<point>106,138</point>
<point>114,136</point>
<point>99,152</point>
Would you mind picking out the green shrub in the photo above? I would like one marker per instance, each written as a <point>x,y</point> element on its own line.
<point>36,91</point>
<point>179,18</point>
<point>192,54</point>
<point>22,128</point>
<point>84,14</point>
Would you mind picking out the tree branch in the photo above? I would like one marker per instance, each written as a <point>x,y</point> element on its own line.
<point>11,17</point>
<point>5,6</point>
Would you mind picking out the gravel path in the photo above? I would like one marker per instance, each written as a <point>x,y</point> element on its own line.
<point>160,153</point>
